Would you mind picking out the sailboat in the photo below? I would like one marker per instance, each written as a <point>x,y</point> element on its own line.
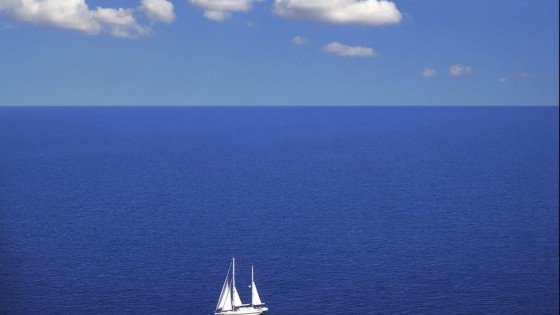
<point>230,303</point>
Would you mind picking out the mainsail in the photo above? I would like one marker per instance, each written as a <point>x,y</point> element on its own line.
<point>236,298</point>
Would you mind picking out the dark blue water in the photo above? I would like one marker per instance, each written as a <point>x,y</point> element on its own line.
<point>342,210</point>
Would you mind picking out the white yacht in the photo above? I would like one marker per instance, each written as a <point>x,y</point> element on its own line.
<point>230,303</point>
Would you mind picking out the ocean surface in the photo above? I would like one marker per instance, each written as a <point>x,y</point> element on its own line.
<point>408,210</point>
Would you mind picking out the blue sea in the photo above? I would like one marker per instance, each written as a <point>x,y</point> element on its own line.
<point>342,210</point>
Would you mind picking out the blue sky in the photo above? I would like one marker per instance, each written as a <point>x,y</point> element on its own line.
<point>278,52</point>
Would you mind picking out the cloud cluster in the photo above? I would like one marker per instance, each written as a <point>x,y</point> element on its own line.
<point>136,22</point>
<point>456,70</point>
<point>365,12</point>
<point>348,51</point>
<point>76,15</point>
<point>220,10</point>
<point>460,70</point>
<point>518,75</point>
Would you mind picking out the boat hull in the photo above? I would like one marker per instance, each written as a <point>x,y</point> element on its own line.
<point>244,311</point>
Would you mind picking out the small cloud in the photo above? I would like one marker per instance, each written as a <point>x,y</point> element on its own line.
<point>365,12</point>
<point>158,10</point>
<point>523,75</point>
<point>220,10</point>
<point>298,40</point>
<point>217,16</point>
<point>429,72</point>
<point>250,24</point>
<point>460,70</point>
<point>516,76</point>
<point>348,51</point>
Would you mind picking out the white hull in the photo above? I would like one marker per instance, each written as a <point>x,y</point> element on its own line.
<point>244,311</point>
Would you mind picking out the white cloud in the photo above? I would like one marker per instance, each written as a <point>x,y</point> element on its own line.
<point>70,14</point>
<point>460,70</point>
<point>503,79</point>
<point>366,12</point>
<point>158,10</point>
<point>219,10</point>
<point>120,22</point>
<point>76,15</point>
<point>348,51</point>
<point>298,40</point>
<point>429,72</point>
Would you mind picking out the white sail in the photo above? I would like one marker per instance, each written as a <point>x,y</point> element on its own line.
<point>236,298</point>
<point>255,298</point>
<point>224,303</point>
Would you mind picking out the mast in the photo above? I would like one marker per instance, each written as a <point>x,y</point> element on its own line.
<point>233,283</point>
